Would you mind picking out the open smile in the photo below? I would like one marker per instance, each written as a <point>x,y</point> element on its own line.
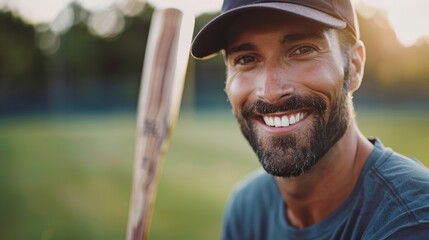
<point>283,120</point>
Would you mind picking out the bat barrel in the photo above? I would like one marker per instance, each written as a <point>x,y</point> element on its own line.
<point>166,58</point>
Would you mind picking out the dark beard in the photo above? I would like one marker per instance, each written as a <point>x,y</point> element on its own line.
<point>294,155</point>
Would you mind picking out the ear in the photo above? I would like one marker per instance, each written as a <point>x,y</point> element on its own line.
<point>357,65</point>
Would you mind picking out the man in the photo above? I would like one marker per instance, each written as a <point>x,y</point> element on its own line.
<point>292,69</point>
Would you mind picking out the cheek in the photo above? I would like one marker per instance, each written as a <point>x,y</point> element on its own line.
<point>323,78</point>
<point>239,90</point>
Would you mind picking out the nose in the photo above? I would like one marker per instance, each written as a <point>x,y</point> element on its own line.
<point>274,84</point>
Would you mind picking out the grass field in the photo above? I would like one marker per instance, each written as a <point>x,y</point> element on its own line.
<point>69,177</point>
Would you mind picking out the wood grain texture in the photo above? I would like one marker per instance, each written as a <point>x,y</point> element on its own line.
<point>166,59</point>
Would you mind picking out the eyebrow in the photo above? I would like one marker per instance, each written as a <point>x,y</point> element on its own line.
<point>286,39</point>
<point>241,48</point>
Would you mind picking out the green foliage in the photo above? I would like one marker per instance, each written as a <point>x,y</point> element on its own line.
<point>19,65</point>
<point>85,72</point>
<point>69,177</point>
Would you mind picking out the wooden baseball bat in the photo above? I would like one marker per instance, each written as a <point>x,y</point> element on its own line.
<point>166,59</point>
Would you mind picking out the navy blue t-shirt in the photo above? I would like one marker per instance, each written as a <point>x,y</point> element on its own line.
<point>390,201</point>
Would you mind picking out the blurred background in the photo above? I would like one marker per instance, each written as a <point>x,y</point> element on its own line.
<point>69,79</point>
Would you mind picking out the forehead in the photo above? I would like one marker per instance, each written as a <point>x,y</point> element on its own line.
<point>267,21</point>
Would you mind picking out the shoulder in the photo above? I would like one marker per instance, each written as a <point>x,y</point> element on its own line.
<point>250,206</point>
<point>398,190</point>
<point>259,188</point>
<point>405,178</point>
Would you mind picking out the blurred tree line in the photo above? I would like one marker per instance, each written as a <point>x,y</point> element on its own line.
<point>89,73</point>
<point>85,73</point>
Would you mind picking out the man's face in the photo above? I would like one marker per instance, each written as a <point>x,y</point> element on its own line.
<point>287,84</point>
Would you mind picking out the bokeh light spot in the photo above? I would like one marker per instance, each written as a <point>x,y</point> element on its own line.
<point>106,23</point>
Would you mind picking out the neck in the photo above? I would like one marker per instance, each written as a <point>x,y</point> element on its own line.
<point>312,197</point>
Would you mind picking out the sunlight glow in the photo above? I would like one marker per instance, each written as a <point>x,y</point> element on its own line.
<point>196,7</point>
<point>96,5</point>
<point>104,18</point>
<point>63,21</point>
<point>408,18</point>
<point>37,12</point>
<point>130,8</point>
<point>108,23</point>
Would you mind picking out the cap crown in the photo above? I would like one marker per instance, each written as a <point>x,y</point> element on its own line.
<point>341,9</point>
<point>337,14</point>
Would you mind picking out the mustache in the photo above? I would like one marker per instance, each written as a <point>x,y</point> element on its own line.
<point>296,102</point>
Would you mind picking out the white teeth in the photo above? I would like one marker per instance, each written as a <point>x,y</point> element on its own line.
<point>277,122</point>
<point>283,121</point>
<point>267,120</point>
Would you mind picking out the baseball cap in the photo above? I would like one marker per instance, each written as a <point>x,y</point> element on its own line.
<point>338,14</point>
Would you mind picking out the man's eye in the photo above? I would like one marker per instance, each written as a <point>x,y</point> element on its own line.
<point>244,60</point>
<point>304,51</point>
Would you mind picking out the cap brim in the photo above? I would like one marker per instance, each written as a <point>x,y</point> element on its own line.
<point>212,38</point>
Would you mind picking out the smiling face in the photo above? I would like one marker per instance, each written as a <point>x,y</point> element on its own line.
<point>287,81</point>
